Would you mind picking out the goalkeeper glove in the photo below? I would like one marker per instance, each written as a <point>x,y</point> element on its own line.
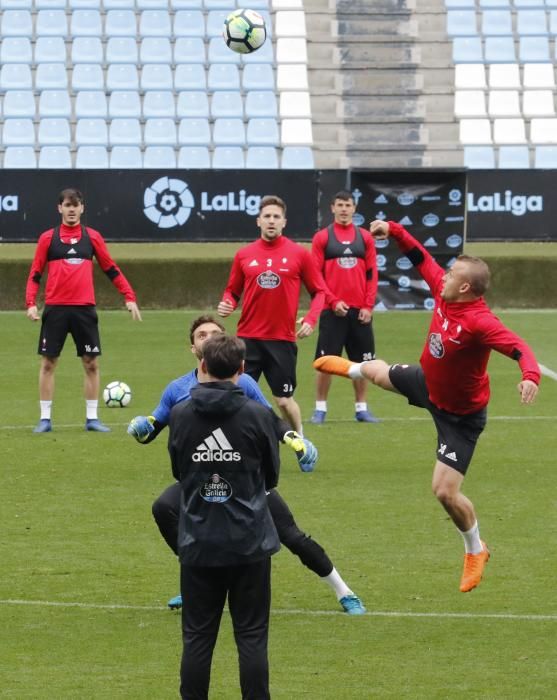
<point>306,452</point>
<point>141,427</point>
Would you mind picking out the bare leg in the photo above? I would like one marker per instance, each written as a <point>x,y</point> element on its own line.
<point>290,411</point>
<point>46,377</point>
<point>360,390</point>
<point>446,485</point>
<point>91,381</point>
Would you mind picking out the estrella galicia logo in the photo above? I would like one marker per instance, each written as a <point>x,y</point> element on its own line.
<point>436,345</point>
<point>215,490</point>
<point>168,202</point>
<point>347,262</point>
<point>429,304</point>
<point>268,280</point>
<point>406,199</point>
<point>381,242</point>
<point>403,263</point>
<point>430,220</point>
<point>454,241</point>
<point>358,220</point>
<point>381,262</point>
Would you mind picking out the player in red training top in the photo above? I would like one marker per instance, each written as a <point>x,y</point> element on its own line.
<point>451,381</point>
<point>345,255</point>
<point>270,272</point>
<point>67,252</point>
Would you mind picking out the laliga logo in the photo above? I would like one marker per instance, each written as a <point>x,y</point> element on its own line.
<point>517,204</point>
<point>9,202</point>
<point>168,202</point>
<point>358,220</point>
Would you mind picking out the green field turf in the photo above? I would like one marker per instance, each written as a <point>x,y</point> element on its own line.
<point>85,575</point>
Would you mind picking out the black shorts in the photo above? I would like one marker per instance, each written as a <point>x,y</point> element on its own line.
<point>80,321</point>
<point>338,332</point>
<point>456,435</point>
<point>276,359</point>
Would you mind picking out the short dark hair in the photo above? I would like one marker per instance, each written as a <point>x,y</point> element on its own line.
<point>223,355</point>
<point>479,275</point>
<point>345,195</point>
<point>269,199</point>
<point>71,193</point>
<point>200,320</point>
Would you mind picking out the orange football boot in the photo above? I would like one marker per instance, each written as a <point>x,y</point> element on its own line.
<point>332,364</point>
<point>473,569</point>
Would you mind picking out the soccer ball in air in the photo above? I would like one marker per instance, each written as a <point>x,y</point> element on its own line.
<point>244,31</point>
<point>117,395</point>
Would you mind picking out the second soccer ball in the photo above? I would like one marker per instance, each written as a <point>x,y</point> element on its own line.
<point>117,395</point>
<point>244,31</point>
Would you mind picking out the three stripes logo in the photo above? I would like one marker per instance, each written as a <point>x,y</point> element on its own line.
<point>216,448</point>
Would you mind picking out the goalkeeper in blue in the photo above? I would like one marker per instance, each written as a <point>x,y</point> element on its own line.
<point>166,508</point>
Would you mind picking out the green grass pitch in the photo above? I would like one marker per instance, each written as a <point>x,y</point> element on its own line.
<point>85,575</point>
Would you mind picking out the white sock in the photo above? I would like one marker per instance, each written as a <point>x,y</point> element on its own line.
<point>472,542</point>
<point>46,409</point>
<point>361,406</point>
<point>337,584</point>
<point>321,406</point>
<point>355,371</point>
<point>92,406</point>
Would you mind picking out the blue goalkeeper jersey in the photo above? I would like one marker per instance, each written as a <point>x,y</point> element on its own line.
<point>180,389</point>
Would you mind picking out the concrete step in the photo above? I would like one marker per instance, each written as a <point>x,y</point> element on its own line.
<point>374,26</point>
<point>381,135</point>
<point>385,81</point>
<point>383,108</point>
<point>364,55</point>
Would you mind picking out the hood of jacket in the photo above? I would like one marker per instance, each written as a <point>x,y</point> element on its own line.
<point>217,398</point>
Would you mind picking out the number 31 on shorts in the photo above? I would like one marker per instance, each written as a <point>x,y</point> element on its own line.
<point>287,388</point>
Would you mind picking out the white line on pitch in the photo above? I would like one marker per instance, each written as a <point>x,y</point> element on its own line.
<point>548,372</point>
<point>296,611</point>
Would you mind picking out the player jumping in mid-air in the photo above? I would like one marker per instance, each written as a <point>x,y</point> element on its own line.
<point>451,381</point>
<point>166,508</point>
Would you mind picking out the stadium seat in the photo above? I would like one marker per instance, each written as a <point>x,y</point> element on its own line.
<point>215,21</point>
<point>543,131</point>
<point>125,132</point>
<point>503,103</point>
<point>258,76</point>
<point>262,158</point>
<point>55,103</point>
<point>16,49</point>
<point>86,23</point>
<point>469,103</point>
<point>155,23</point>
<point>297,158</point>
<point>51,23</point>
<point>292,77</point>
<point>499,49</point>
<point>124,104</point>
<point>126,158</point>
<point>218,5</point>
<point>470,76</point>
<point>189,23</point>
<point>227,104</point>
<point>155,49</point>
<point>118,5</point>
<point>120,23</point>
<point>509,131</point>
<point>528,4</point>
<point>261,103</point>
<point>479,157</point>
<point>50,4</point>
<point>84,5</point>
<point>475,131</point>
<point>16,5</point>
<point>504,76</point>
<point>460,4</point>
<point>159,132</point>
<point>190,76</point>
<point>91,103</point>
<point>159,157</point>
<point>538,103</point>
<point>461,23</point>
<point>287,4</point>
<point>87,76</point>
<point>220,53</point>
<point>539,75</point>
<point>192,104</point>
<point>20,157</point>
<point>228,157</point>
<point>177,5</point>
<point>159,103</point>
<point>91,158</point>
<point>55,158</point>
<point>531,23</point>
<point>257,4</point>
<point>497,23</point>
<point>189,49</point>
<point>262,132</point>
<point>291,50</point>
<point>553,22</point>
<point>15,76</point>
<point>223,76</point>
<point>121,49</point>
<point>122,76</point>
<point>229,132</point>
<point>16,23</point>
<point>545,157</point>
<point>467,49</point>
<point>296,132</point>
<point>290,23</point>
<point>263,55</point>
<point>91,132</point>
<point>87,49</point>
<point>295,104</point>
<point>155,76</point>
<point>152,4</point>
<point>514,157</point>
<point>54,132</point>
<point>194,132</point>
<point>533,49</point>
<point>51,76</point>
<point>194,157</point>
<point>19,104</point>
